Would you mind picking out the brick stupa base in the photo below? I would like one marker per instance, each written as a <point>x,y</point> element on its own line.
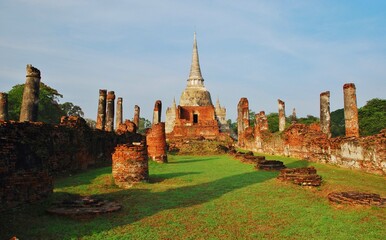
<point>302,176</point>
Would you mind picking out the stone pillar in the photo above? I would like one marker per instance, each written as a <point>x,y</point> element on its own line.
<point>325,117</point>
<point>130,164</point>
<point>281,115</point>
<point>110,111</point>
<point>3,106</point>
<point>119,116</point>
<point>136,115</point>
<point>261,124</point>
<point>156,143</point>
<point>263,121</point>
<point>101,116</point>
<point>30,102</point>
<point>242,115</point>
<point>157,112</point>
<point>293,117</point>
<point>350,110</point>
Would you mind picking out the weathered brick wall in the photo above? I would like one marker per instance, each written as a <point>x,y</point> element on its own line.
<point>32,153</point>
<point>207,125</point>
<point>308,142</point>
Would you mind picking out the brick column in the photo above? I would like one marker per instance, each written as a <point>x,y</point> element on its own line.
<point>263,121</point>
<point>157,112</point>
<point>293,117</point>
<point>281,115</point>
<point>130,164</point>
<point>136,115</point>
<point>156,143</point>
<point>30,102</point>
<point>110,111</point>
<point>325,117</point>
<point>101,116</point>
<point>119,116</point>
<point>3,106</point>
<point>350,110</point>
<point>242,115</point>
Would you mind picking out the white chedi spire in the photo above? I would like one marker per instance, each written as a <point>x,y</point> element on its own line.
<point>195,78</point>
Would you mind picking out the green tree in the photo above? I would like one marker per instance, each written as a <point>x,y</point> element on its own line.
<point>232,127</point>
<point>273,122</point>
<point>90,122</point>
<point>252,118</point>
<point>337,123</point>
<point>308,120</point>
<point>372,117</point>
<point>71,110</point>
<point>143,125</point>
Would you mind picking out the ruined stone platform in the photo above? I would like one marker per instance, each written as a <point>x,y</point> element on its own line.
<point>357,198</point>
<point>248,157</point>
<point>83,207</point>
<point>306,176</point>
<point>270,165</point>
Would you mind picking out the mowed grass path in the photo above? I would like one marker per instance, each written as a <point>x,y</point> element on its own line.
<point>210,197</point>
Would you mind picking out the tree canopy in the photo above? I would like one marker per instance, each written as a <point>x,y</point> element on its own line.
<point>143,125</point>
<point>371,117</point>
<point>337,123</point>
<point>273,122</point>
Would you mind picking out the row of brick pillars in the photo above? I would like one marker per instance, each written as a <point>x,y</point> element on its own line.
<point>106,110</point>
<point>350,113</point>
<point>105,116</point>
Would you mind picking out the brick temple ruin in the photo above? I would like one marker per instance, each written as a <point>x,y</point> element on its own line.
<point>195,116</point>
<point>33,153</point>
<point>313,142</point>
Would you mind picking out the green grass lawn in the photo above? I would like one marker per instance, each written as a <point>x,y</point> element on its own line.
<point>209,197</point>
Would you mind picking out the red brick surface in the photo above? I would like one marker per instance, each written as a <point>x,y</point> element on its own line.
<point>31,153</point>
<point>130,164</point>
<point>156,142</point>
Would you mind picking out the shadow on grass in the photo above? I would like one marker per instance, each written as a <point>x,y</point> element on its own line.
<point>142,203</point>
<point>157,178</point>
<point>298,164</point>
<point>192,160</point>
<point>81,179</point>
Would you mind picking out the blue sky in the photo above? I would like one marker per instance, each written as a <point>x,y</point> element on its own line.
<point>262,50</point>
